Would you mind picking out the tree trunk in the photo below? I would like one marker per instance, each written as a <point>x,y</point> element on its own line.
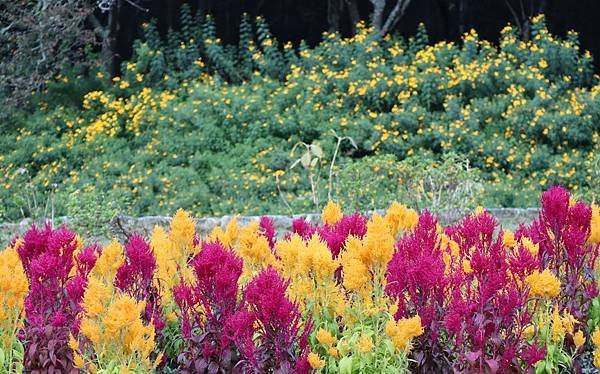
<point>109,41</point>
<point>444,16</point>
<point>334,13</point>
<point>170,5</point>
<point>462,16</point>
<point>353,14</point>
<point>201,8</point>
<point>526,30</point>
<point>395,15</point>
<point>377,17</point>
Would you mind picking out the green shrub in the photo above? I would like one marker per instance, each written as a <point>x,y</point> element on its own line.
<point>196,124</point>
<point>420,182</point>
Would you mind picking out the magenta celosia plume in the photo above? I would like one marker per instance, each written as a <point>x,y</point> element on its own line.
<point>136,277</point>
<point>52,305</point>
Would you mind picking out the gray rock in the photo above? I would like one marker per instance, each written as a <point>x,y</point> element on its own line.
<point>122,226</point>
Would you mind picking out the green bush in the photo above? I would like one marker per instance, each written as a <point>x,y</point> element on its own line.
<point>196,124</point>
<point>419,182</point>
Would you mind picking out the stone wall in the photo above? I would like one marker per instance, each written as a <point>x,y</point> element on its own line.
<point>509,218</point>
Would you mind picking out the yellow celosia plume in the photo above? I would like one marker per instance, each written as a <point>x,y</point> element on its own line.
<point>378,247</point>
<point>110,260</point>
<point>183,230</point>
<point>13,290</point>
<point>402,331</point>
<point>398,217</point>
<point>544,284</point>
<point>594,237</point>
<point>332,213</point>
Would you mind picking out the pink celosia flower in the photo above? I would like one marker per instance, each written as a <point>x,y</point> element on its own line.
<point>217,273</point>
<point>268,230</point>
<point>53,302</point>
<point>533,354</point>
<point>281,341</point>
<point>224,329</point>
<point>561,232</point>
<point>303,228</point>
<point>136,277</point>
<point>336,235</point>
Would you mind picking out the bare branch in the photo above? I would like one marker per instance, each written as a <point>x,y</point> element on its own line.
<point>396,14</point>
<point>514,14</point>
<point>137,6</point>
<point>7,28</point>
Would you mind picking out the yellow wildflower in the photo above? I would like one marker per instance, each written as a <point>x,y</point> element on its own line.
<point>544,284</point>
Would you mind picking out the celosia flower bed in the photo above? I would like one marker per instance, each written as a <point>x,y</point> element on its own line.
<point>389,293</point>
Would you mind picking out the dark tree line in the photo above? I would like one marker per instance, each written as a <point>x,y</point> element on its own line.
<point>37,37</point>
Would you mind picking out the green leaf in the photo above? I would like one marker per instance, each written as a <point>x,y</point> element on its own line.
<point>540,367</point>
<point>316,150</point>
<point>346,365</point>
<point>2,358</point>
<point>305,160</point>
